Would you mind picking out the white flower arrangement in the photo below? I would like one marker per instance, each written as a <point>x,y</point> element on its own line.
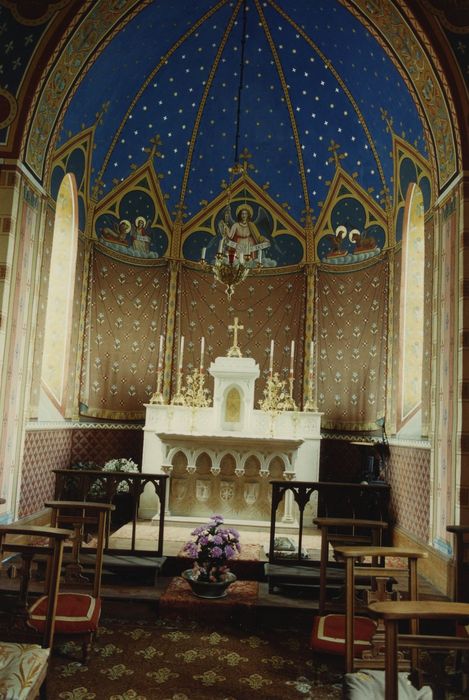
<point>114,465</point>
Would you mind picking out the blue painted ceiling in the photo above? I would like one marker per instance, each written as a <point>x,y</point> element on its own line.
<point>313,76</point>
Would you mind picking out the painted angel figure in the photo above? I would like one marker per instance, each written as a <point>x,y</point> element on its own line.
<point>244,232</point>
<point>140,238</point>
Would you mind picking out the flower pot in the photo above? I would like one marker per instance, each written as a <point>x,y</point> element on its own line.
<point>208,589</point>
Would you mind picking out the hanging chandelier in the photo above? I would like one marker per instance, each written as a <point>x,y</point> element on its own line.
<point>229,266</point>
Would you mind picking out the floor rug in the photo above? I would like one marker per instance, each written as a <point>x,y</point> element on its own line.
<point>179,601</point>
<point>187,660</point>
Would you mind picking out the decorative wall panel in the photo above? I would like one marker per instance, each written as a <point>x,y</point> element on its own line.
<point>270,307</point>
<point>352,349</point>
<point>126,315</point>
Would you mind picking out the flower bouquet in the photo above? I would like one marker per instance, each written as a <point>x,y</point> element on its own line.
<point>98,487</point>
<point>213,547</point>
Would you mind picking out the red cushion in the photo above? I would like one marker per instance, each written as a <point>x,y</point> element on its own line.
<point>76,613</point>
<point>328,634</point>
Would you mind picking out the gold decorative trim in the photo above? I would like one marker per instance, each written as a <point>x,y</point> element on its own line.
<point>10,99</point>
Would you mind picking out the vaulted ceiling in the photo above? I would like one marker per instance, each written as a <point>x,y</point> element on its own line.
<point>318,88</point>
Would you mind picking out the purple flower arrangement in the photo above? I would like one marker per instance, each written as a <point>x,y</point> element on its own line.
<point>213,547</point>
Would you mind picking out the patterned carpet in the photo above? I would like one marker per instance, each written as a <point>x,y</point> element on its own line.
<point>190,660</point>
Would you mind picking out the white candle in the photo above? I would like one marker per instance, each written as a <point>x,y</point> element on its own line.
<point>160,354</point>
<point>220,246</point>
<point>202,348</point>
<point>271,366</point>
<point>259,255</point>
<point>292,355</point>
<point>181,352</point>
<point>204,250</point>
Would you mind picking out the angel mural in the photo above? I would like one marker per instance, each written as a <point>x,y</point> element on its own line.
<point>140,238</point>
<point>123,236</point>
<point>346,247</point>
<point>244,235</point>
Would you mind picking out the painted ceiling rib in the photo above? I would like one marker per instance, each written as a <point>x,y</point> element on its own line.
<point>340,81</point>
<point>163,60</point>
<point>291,113</point>
<point>208,85</point>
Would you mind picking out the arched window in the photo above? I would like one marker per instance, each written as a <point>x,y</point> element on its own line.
<point>412,314</point>
<point>58,322</point>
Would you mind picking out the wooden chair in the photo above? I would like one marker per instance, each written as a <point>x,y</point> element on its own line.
<point>23,663</point>
<point>352,556</point>
<point>344,531</point>
<point>78,609</point>
<point>370,685</point>
<point>461,555</point>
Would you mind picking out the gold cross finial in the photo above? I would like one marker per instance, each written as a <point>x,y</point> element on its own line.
<point>234,351</point>
<point>335,157</point>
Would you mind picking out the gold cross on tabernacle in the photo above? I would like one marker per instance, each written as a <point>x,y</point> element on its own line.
<point>234,351</point>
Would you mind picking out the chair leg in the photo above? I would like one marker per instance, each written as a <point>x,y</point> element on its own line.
<point>86,649</point>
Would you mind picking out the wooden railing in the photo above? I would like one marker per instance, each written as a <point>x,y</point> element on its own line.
<point>334,499</point>
<point>96,485</point>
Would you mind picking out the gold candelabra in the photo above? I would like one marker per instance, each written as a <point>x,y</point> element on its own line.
<point>195,393</point>
<point>275,393</point>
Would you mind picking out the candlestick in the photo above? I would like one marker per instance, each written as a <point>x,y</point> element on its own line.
<point>271,366</point>
<point>202,348</point>
<point>160,354</point>
<point>181,351</point>
<point>292,355</point>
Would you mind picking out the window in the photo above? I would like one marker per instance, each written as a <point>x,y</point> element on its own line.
<point>60,297</point>
<point>412,313</point>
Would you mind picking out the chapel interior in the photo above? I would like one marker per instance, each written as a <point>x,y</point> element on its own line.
<point>233,246</point>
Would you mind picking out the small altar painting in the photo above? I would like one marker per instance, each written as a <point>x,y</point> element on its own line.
<point>233,406</point>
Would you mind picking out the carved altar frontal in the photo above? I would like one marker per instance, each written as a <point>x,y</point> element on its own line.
<point>222,458</point>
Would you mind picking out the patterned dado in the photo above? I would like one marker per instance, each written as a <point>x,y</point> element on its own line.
<point>46,449</point>
<point>409,476</point>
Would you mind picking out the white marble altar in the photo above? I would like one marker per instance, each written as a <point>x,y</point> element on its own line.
<point>220,459</point>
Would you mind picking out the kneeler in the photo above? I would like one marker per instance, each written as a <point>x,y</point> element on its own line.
<point>330,631</point>
<point>78,610</point>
